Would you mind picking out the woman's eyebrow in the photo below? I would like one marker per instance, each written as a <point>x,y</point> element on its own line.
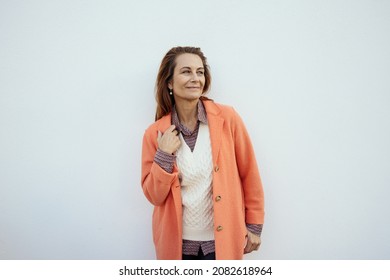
<point>187,67</point>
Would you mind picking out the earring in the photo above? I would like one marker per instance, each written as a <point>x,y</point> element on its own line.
<point>170,92</point>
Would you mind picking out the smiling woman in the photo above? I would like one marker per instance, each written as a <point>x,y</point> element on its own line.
<point>187,86</point>
<point>199,168</point>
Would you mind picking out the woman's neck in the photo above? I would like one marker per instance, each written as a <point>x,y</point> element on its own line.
<point>188,113</point>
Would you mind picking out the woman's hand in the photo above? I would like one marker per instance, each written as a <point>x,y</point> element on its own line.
<point>169,142</point>
<point>253,242</point>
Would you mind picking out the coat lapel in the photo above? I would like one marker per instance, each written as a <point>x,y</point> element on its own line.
<point>164,123</point>
<point>215,122</point>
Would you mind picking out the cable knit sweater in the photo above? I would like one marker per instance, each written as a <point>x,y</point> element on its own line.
<point>196,168</point>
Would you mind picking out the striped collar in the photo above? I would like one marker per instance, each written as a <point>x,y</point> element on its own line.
<point>202,117</point>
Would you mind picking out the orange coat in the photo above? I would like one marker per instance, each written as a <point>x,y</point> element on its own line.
<point>237,189</point>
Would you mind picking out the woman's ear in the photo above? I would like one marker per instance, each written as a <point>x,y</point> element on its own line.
<point>170,85</point>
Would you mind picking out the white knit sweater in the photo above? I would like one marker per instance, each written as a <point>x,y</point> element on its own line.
<point>196,186</point>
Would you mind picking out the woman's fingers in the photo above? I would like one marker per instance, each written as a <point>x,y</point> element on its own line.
<point>169,141</point>
<point>253,243</point>
<point>170,129</point>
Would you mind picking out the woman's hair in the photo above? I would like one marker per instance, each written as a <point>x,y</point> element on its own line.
<point>165,101</point>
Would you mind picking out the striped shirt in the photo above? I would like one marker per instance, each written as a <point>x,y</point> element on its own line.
<point>166,162</point>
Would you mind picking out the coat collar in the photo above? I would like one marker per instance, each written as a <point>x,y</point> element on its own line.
<point>215,126</point>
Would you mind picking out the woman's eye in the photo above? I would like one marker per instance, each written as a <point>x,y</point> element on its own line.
<point>200,73</point>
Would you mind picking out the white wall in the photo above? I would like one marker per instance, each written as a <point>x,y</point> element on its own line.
<point>309,78</point>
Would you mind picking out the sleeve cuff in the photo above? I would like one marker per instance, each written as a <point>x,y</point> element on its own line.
<point>255,229</point>
<point>165,160</point>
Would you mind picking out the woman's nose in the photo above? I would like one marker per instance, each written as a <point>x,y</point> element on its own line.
<point>194,77</point>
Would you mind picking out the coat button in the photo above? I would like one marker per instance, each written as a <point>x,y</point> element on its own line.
<point>218,198</point>
<point>216,168</point>
<point>219,228</point>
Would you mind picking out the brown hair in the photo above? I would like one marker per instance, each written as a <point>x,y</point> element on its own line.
<point>165,101</point>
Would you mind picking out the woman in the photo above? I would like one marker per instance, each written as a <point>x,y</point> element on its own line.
<point>198,168</point>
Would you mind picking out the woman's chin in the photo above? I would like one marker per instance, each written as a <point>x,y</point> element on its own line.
<point>190,97</point>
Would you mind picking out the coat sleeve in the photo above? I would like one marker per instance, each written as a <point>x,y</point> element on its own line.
<point>156,182</point>
<point>249,173</point>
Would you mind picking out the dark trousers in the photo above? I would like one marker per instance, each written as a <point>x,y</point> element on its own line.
<point>200,256</point>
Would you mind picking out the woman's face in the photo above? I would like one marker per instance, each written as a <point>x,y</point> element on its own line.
<point>188,77</point>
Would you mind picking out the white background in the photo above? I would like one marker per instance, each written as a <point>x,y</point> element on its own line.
<point>309,78</point>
